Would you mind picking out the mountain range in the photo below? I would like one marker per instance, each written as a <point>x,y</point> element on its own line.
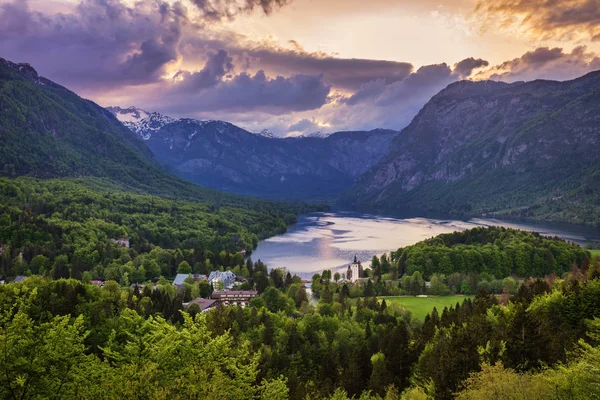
<point>47,131</point>
<point>525,149</point>
<point>222,156</point>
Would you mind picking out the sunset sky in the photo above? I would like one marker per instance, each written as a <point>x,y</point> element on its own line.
<point>296,66</point>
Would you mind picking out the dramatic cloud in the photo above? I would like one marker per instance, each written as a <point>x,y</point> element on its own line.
<point>213,89</point>
<point>218,10</point>
<point>101,43</point>
<point>346,73</point>
<point>545,63</point>
<point>423,83</point>
<point>564,19</point>
<point>217,66</point>
<point>186,58</point>
<point>341,72</point>
<point>464,68</point>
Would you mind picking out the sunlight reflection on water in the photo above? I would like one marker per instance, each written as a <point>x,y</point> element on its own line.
<point>330,240</point>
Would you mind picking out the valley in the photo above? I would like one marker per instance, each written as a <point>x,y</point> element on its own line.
<point>151,257</point>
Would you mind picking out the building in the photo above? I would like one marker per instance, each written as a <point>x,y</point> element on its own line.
<point>355,271</point>
<point>204,304</point>
<point>235,297</point>
<point>122,241</point>
<point>19,278</point>
<point>227,278</point>
<point>180,278</point>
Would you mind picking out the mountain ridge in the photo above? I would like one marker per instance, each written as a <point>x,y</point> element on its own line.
<point>523,149</point>
<point>223,156</point>
<point>49,132</point>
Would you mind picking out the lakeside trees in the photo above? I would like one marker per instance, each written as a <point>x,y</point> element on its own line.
<point>68,338</point>
<point>496,251</point>
<point>80,340</point>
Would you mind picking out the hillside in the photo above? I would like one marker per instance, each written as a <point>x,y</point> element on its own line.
<point>72,178</point>
<point>47,131</point>
<point>222,156</point>
<point>526,149</point>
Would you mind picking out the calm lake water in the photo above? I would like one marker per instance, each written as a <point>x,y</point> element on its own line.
<point>331,240</point>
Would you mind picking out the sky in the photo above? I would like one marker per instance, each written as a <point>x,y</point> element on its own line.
<point>295,66</point>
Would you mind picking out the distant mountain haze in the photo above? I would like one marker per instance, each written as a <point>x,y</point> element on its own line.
<point>222,156</point>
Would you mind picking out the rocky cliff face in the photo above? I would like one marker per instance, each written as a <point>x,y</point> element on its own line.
<point>223,156</point>
<point>527,149</point>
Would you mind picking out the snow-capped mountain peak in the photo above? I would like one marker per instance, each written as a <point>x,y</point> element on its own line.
<point>142,122</point>
<point>319,135</point>
<point>266,133</point>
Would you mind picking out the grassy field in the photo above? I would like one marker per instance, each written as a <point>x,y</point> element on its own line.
<point>421,306</point>
<point>595,252</point>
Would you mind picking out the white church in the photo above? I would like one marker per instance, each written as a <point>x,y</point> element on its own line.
<point>355,271</point>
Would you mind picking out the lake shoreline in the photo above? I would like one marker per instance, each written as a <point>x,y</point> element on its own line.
<point>330,240</point>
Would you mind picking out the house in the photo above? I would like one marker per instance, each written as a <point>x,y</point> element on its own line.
<point>97,282</point>
<point>205,304</point>
<point>227,278</point>
<point>19,278</point>
<point>180,278</point>
<point>123,241</point>
<point>137,286</point>
<point>234,297</point>
<point>355,271</point>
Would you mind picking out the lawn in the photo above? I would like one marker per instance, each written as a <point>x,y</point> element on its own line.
<point>595,252</point>
<point>421,306</point>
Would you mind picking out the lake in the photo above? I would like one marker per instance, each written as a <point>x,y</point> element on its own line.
<point>331,240</point>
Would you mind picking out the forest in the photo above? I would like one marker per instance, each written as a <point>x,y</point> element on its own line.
<point>65,338</point>
<point>68,339</point>
<point>65,228</point>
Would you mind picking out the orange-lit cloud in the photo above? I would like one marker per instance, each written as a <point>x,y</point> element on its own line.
<point>275,63</point>
<point>545,63</point>
<point>544,19</point>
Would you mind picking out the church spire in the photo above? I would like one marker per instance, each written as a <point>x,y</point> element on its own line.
<point>355,259</point>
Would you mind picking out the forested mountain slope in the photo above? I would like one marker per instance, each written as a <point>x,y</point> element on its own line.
<point>222,156</point>
<point>527,149</point>
<point>73,180</point>
<point>47,131</point>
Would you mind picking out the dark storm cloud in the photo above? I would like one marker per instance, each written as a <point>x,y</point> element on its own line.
<point>465,67</point>
<point>393,105</point>
<point>423,83</point>
<point>103,43</point>
<point>345,73</point>
<point>545,18</point>
<point>215,91</point>
<point>218,10</point>
<point>217,66</point>
<point>546,63</point>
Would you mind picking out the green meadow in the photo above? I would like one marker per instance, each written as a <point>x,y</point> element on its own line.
<point>421,306</point>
